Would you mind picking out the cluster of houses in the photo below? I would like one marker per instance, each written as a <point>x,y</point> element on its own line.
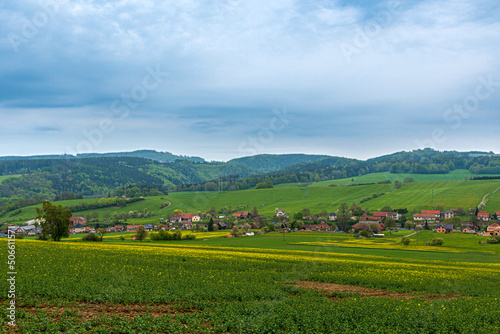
<point>491,230</point>
<point>434,217</point>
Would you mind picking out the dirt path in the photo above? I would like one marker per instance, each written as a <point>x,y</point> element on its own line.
<point>485,198</point>
<point>409,235</point>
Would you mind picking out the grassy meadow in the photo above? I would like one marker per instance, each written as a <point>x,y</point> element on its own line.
<point>308,283</point>
<point>415,195</point>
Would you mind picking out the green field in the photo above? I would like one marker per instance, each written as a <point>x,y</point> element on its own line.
<point>257,284</point>
<point>415,195</point>
<point>455,175</point>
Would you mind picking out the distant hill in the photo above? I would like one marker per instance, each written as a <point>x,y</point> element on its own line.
<point>146,154</point>
<point>100,174</point>
<point>266,163</point>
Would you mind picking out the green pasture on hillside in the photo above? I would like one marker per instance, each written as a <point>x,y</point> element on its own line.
<point>415,195</point>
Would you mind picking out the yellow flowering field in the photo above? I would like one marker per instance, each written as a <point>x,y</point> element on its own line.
<point>245,289</point>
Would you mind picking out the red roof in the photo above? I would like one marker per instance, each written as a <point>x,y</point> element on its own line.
<point>483,214</point>
<point>365,217</point>
<point>494,225</point>
<point>497,213</point>
<point>240,214</point>
<point>417,216</point>
<point>187,215</point>
<point>431,212</point>
<point>380,214</point>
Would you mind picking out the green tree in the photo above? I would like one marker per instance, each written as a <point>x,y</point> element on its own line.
<point>211,225</point>
<point>389,222</point>
<point>356,209</point>
<point>386,209</point>
<point>255,212</point>
<point>306,212</point>
<point>141,233</point>
<point>344,209</point>
<point>54,220</point>
<point>102,231</point>
<point>298,216</point>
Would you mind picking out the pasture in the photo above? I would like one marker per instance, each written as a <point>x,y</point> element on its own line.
<point>309,283</point>
<point>415,195</point>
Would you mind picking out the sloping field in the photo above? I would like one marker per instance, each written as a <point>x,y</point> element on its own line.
<point>415,195</point>
<point>452,194</point>
<point>455,175</point>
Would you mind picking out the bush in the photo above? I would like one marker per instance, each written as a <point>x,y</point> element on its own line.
<point>91,237</point>
<point>42,237</point>
<point>364,233</point>
<point>189,237</point>
<point>20,236</point>
<point>436,242</point>
<point>493,240</point>
<point>406,241</point>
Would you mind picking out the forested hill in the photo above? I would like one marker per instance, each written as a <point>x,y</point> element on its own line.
<point>426,161</point>
<point>99,176</point>
<point>266,163</point>
<point>146,154</point>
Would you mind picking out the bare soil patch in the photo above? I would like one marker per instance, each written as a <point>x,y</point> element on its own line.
<point>330,289</point>
<point>88,311</point>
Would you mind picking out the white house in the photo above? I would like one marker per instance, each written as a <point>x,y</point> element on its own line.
<point>332,217</point>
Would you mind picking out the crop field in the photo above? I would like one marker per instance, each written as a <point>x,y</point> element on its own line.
<point>415,195</point>
<point>455,175</point>
<point>309,283</point>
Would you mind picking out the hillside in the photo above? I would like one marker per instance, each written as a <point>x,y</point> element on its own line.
<point>266,163</point>
<point>146,154</point>
<point>412,196</point>
<point>106,174</point>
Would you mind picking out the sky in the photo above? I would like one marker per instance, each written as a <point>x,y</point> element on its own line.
<point>229,78</point>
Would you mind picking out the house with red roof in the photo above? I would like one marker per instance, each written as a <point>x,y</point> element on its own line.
<point>132,227</point>
<point>187,217</point>
<point>493,230</point>
<point>483,215</point>
<point>497,213</point>
<point>366,219</point>
<point>380,214</point>
<point>175,219</point>
<point>430,215</point>
<point>241,214</point>
<point>320,227</point>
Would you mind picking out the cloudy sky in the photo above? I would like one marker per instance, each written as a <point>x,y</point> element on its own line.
<point>228,78</point>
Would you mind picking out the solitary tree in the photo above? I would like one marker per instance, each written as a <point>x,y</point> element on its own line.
<point>54,220</point>
<point>211,225</point>
<point>102,231</point>
<point>141,233</point>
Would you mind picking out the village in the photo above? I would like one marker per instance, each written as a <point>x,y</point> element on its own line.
<point>449,221</point>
